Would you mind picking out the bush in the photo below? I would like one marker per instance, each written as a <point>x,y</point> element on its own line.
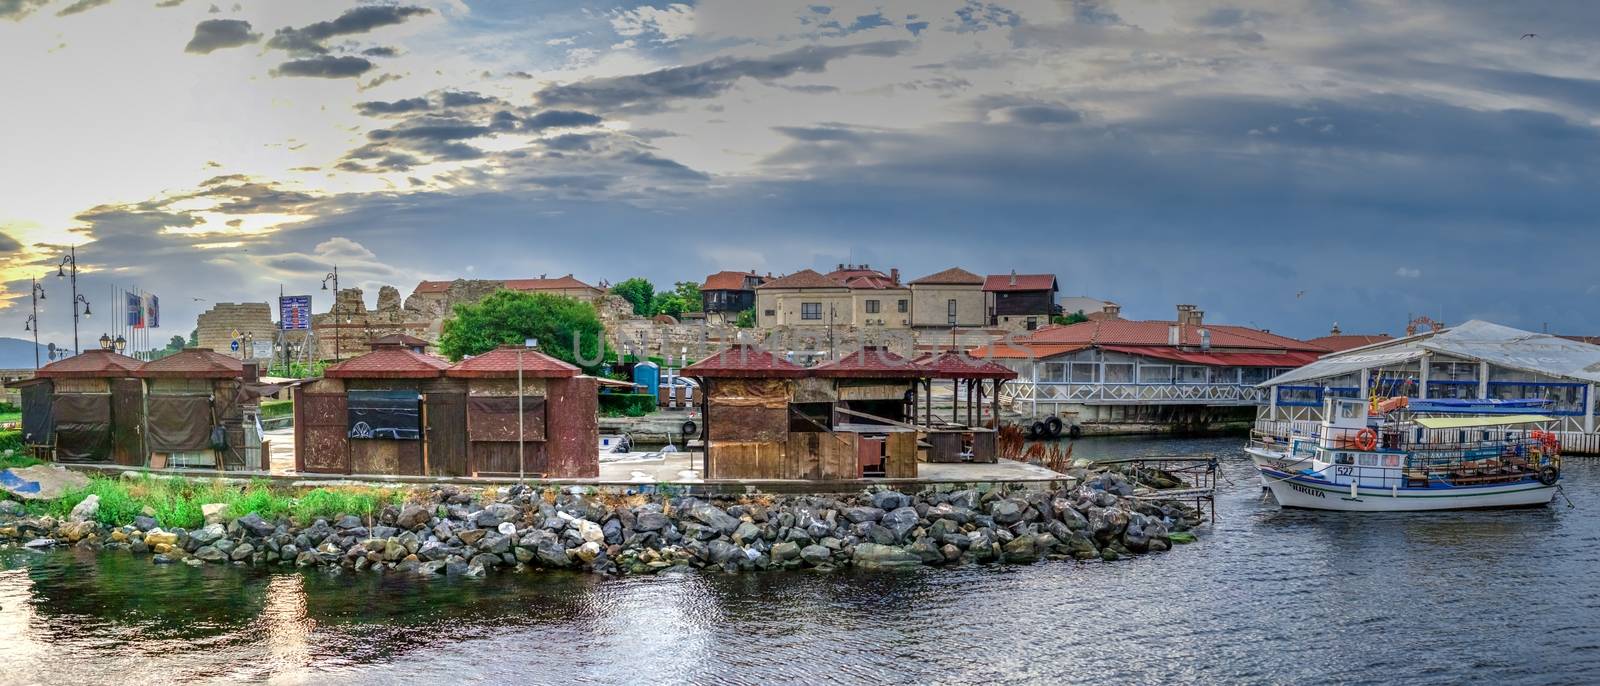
<point>10,408</point>
<point>273,409</point>
<point>627,404</point>
<point>11,440</point>
<point>176,502</point>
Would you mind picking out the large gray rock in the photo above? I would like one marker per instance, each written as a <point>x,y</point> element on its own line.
<point>746,534</point>
<point>144,523</point>
<point>493,514</point>
<point>1020,550</point>
<point>900,521</point>
<point>242,553</point>
<point>85,510</point>
<point>875,556</point>
<point>815,554</point>
<point>254,524</point>
<point>857,515</point>
<point>890,500</point>
<point>207,535</point>
<point>413,516</point>
<point>210,554</point>
<point>715,518</point>
<point>1008,511</point>
<point>650,521</point>
<point>551,554</point>
<point>784,552</point>
<point>723,551</point>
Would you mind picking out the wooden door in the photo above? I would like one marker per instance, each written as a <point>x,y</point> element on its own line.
<point>127,422</point>
<point>322,434</point>
<point>445,433</point>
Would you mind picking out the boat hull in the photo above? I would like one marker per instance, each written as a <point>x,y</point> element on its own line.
<point>1265,459</point>
<point>1300,491</point>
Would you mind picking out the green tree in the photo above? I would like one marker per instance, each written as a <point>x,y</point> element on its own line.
<point>746,320</point>
<point>1074,318</point>
<point>511,317</point>
<point>670,303</point>
<point>690,292</point>
<point>194,338</point>
<point>640,292</point>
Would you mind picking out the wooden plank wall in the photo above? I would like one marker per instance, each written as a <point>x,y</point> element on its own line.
<point>573,425</point>
<point>902,461</point>
<point>821,456</point>
<point>748,460</point>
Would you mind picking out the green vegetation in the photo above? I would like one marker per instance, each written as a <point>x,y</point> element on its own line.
<point>627,404</point>
<point>299,370</point>
<point>11,442</point>
<point>746,320</point>
<point>273,409</point>
<point>638,291</point>
<point>1074,318</point>
<point>510,317</point>
<point>176,501</point>
<point>9,412</point>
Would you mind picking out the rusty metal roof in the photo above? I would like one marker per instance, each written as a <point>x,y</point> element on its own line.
<point>954,276</point>
<point>389,363</point>
<point>91,364</point>
<point>192,363</point>
<point>503,363</point>
<point>1020,282</point>
<point>744,362</point>
<point>871,362</point>
<point>805,278</point>
<point>952,364</point>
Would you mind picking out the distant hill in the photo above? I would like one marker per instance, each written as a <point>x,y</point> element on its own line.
<point>16,353</point>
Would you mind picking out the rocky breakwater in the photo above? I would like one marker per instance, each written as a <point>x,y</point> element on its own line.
<point>470,532</point>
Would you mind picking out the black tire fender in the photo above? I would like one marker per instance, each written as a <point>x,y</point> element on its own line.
<point>690,428</point>
<point>1054,426</point>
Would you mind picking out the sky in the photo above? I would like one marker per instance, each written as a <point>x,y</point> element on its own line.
<point>1285,164</point>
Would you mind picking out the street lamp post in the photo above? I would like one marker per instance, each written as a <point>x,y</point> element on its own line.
<point>32,323</point>
<point>334,309</point>
<point>71,260</point>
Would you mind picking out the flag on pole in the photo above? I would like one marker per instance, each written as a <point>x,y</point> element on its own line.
<point>135,310</point>
<point>152,309</point>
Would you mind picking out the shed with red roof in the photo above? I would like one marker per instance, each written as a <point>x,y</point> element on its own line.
<point>547,427</point>
<point>196,411</point>
<point>365,415</point>
<point>88,408</point>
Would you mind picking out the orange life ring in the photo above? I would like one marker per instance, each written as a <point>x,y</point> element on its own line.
<point>1366,439</point>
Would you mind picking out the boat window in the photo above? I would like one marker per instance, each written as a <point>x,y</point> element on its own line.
<point>1343,458</point>
<point>1352,410</point>
<point>1391,460</point>
<point>1369,460</point>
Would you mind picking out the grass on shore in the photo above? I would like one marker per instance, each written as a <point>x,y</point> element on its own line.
<point>176,501</point>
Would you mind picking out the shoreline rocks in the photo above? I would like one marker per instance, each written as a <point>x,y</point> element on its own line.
<point>474,532</point>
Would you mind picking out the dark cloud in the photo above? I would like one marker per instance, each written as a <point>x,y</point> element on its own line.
<point>380,51</point>
<point>8,244</point>
<point>169,3</point>
<point>439,130</point>
<point>380,107</point>
<point>15,10</point>
<point>326,66</point>
<point>81,6</point>
<point>552,119</point>
<point>215,34</point>
<point>653,90</point>
<point>1041,115</point>
<point>465,99</point>
<point>309,40</point>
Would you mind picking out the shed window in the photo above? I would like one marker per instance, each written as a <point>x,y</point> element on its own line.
<point>872,307</point>
<point>810,310</point>
<point>1085,372</point>
<point>1191,374</point>
<point>904,305</point>
<point>1053,372</point>
<point>1155,374</point>
<point>1119,372</point>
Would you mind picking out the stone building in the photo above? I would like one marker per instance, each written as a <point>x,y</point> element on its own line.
<point>218,327</point>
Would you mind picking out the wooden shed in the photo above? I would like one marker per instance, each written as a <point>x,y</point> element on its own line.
<point>95,409</point>
<point>557,434</point>
<point>965,436</point>
<point>366,415</point>
<point>196,408</point>
<point>746,399</point>
<point>872,397</point>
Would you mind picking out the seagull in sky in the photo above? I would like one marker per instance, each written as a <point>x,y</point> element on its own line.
<point>1526,36</point>
<point>1299,295</point>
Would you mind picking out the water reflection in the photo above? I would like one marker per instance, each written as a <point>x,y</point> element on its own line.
<point>1269,595</point>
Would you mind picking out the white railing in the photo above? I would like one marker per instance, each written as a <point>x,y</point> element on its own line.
<point>1132,394</point>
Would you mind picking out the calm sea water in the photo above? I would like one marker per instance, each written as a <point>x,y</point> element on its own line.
<point>1267,596</point>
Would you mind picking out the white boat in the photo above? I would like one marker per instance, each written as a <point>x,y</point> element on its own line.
<point>1372,457</point>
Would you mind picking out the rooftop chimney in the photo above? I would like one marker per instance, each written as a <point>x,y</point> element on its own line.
<point>894,275</point>
<point>1189,316</point>
<point>1335,330</point>
<point>1013,277</point>
<point>1173,335</point>
<point>1112,309</point>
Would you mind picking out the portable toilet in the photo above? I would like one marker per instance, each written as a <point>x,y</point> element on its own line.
<point>648,376</point>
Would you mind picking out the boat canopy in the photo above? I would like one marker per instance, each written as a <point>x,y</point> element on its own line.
<point>1474,422</point>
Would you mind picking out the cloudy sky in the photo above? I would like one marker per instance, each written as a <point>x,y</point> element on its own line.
<point>1285,164</point>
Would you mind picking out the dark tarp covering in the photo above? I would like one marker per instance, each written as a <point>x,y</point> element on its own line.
<point>385,415</point>
<point>179,423</point>
<point>36,414</point>
<point>495,418</point>
<point>83,427</point>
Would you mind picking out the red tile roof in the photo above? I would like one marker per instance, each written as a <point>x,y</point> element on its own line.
<point>192,363</point>
<point>1024,351</point>
<point>850,272</point>
<point>559,283</point>
<point>388,363</point>
<point>744,361</point>
<point>726,281</point>
<point>1125,332</point>
<point>1344,342</point>
<point>805,278</point>
<point>501,363</point>
<point>869,282</point>
<point>1592,340</point>
<point>871,363</point>
<point>1024,282</point>
<point>954,365</point>
<point>954,276</point>
<point>1216,358</point>
<point>91,364</point>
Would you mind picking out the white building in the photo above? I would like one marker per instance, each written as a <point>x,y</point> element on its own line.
<point>1475,360</point>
